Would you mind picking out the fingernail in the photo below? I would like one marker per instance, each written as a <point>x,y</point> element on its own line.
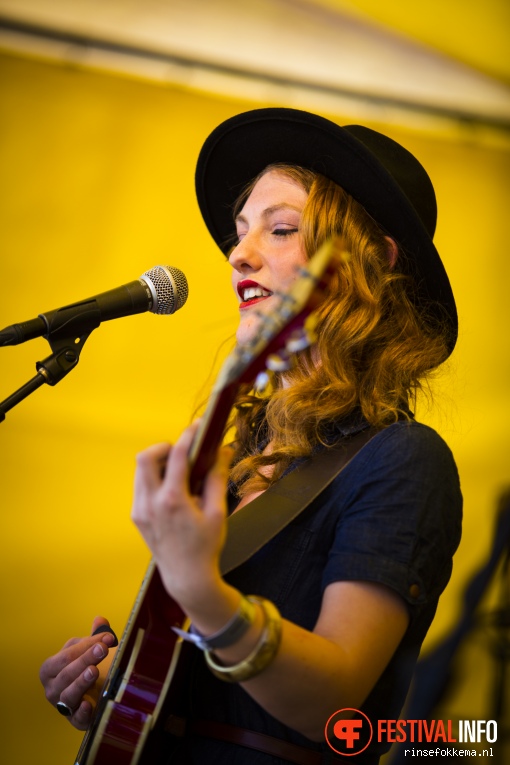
<point>98,651</point>
<point>109,639</point>
<point>88,674</point>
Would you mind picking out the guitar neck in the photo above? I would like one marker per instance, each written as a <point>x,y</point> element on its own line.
<point>210,435</point>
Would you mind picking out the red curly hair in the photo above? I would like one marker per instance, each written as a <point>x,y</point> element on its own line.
<point>375,345</point>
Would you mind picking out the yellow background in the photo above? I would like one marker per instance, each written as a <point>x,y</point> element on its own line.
<point>97,187</point>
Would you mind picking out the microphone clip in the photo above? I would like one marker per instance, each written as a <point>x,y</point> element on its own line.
<point>68,330</point>
<point>65,356</point>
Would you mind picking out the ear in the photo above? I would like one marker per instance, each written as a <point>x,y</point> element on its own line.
<point>392,251</point>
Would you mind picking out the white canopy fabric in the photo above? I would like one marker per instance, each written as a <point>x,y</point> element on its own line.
<point>303,53</point>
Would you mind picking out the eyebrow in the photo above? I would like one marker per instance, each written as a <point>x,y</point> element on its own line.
<point>270,210</point>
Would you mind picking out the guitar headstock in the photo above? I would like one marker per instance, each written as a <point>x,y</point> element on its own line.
<point>287,330</point>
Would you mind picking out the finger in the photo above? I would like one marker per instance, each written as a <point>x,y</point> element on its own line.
<point>177,472</point>
<point>71,642</point>
<point>82,717</point>
<point>214,496</point>
<point>62,670</point>
<point>72,695</point>
<point>79,676</point>
<point>99,621</point>
<point>73,651</point>
<point>150,465</point>
<point>101,626</point>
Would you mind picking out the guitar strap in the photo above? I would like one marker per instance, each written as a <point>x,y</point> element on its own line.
<point>259,521</point>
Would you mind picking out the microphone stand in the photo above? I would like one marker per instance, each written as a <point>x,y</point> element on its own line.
<point>68,331</point>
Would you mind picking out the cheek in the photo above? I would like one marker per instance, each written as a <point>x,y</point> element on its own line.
<point>288,270</point>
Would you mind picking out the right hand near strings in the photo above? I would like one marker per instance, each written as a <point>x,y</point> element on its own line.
<point>73,677</point>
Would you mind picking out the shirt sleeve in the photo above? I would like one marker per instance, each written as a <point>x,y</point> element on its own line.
<point>400,520</point>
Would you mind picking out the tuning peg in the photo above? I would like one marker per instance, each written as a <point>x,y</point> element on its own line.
<point>302,338</point>
<point>280,362</point>
<point>262,382</point>
<point>298,341</point>
<point>287,305</point>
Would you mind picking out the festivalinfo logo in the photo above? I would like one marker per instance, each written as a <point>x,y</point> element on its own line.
<point>349,732</point>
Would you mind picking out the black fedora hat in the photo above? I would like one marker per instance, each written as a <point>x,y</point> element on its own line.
<point>378,172</point>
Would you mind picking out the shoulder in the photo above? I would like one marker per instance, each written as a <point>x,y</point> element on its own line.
<point>412,434</point>
<point>407,451</point>
<point>406,471</point>
<point>399,508</point>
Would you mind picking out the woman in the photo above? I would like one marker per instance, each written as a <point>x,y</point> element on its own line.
<point>357,576</point>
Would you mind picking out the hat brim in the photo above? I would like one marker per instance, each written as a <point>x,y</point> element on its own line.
<point>241,147</point>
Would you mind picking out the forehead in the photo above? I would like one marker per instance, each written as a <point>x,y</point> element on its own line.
<point>274,188</point>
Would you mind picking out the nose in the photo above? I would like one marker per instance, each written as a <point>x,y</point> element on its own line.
<point>246,257</point>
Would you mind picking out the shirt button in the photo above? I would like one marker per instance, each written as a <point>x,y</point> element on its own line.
<point>414,590</point>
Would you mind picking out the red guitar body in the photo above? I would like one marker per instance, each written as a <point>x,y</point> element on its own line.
<point>148,661</point>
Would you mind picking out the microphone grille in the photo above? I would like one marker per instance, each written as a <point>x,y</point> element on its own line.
<point>169,288</point>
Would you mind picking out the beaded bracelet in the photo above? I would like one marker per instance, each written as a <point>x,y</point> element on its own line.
<point>233,630</point>
<point>263,653</point>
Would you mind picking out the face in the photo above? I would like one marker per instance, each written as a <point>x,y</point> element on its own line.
<point>270,249</point>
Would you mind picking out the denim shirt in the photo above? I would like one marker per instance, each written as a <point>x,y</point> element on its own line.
<point>392,516</point>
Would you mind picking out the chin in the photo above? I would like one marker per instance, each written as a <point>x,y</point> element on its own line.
<point>247,330</point>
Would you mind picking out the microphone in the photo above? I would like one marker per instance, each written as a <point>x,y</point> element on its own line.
<point>162,290</point>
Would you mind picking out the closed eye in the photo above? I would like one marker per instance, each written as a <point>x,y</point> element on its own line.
<point>284,231</point>
<point>274,232</point>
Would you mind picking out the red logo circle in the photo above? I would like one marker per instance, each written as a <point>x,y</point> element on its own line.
<point>348,732</point>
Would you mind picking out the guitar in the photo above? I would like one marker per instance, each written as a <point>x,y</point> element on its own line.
<point>141,689</point>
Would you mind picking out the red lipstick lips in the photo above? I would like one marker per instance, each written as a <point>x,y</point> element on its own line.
<point>248,285</point>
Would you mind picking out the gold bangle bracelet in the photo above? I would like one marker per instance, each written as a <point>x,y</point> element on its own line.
<point>263,653</point>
